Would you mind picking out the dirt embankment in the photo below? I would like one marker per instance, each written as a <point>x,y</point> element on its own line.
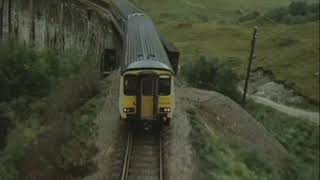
<point>267,90</point>
<point>224,117</point>
<point>108,127</point>
<point>177,147</point>
<point>221,115</point>
<point>300,113</point>
<point>263,83</point>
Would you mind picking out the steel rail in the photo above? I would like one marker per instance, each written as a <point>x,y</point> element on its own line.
<point>126,163</point>
<point>160,154</point>
<point>128,156</point>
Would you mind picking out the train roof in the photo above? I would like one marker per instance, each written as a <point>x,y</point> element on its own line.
<point>126,8</point>
<point>143,47</point>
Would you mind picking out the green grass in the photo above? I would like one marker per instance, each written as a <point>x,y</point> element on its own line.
<point>217,160</point>
<point>298,136</point>
<point>219,157</point>
<point>210,27</point>
<point>213,9</point>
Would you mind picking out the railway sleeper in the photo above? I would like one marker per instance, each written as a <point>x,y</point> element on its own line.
<point>143,178</point>
<point>145,165</point>
<point>144,160</point>
<point>145,152</point>
<point>144,172</point>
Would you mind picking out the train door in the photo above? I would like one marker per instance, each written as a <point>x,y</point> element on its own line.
<point>148,97</point>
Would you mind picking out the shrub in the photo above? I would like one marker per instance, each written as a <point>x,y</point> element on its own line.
<point>51,139</point>
<point>8,170</point>
<point>201,73</point>
<point>5,124</point>
<point>212,75</point>
<point>298,8</point>
<point>296,13</point>
<point>289,19</point>
<point>286,41</point>
<point>18,73</point>
<point>314,8</point>
<point>227,81</point>
<point>250,16</point>
<point>277,14</point>
<point>24,72</point>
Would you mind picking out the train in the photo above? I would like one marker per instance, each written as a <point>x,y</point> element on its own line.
<point>148,68</point>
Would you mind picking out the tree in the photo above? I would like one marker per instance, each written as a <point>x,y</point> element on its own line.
<point>1,18</point>
<point>211,74</point>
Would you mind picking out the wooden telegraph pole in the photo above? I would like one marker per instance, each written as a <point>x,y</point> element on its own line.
<point>32,33</point>
<point>9,18</point>
<point>1,19</point>
<point>251,57</point>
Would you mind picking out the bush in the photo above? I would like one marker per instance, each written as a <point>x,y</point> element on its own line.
<point>19,72</point>
<point>227,82</point>
<point>24,72</point>
<point>299,8</point>
<point>286,41</point>
<point>210,74</point>
<point>201,73</point>
<point>296,13</point>
<point>314,8</point>
<point>51,138</point>
<point>278,14</point>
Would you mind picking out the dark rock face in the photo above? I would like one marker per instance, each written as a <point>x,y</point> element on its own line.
<point>57,25</point>
<point>5,126</point>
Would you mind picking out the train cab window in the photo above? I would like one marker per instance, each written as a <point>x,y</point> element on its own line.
<point>147,87</point>
<point>130,85</point>
<point>164,86</point>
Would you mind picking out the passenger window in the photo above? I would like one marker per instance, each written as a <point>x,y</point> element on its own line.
<point>130,85</point>
<point>164,86</point>
<point>147,87</point>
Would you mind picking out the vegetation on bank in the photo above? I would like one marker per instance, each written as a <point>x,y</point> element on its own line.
<point>297,12</point>
<point>212,27</point>
<point>46,120</point>
<point>298,136</point>
<point>24,72</point>
<point>218,158</point>
<point>212,74</point>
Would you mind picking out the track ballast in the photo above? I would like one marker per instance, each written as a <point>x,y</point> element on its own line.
<point>143,156</point>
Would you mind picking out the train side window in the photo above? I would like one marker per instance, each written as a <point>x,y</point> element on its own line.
<point>130,85</point>
<point>164,86</point>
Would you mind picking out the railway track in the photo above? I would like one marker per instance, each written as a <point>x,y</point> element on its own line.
<point>143,157</point>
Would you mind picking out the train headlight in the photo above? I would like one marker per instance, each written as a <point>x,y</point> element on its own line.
<point>165,110</point>
<point>128,110</point>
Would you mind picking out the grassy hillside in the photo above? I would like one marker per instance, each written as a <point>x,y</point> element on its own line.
<point>300,138</point>
<point>211,27</point>
<point>229,159</point>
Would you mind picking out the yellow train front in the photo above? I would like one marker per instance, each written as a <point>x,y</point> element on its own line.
<point>147,77</point>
